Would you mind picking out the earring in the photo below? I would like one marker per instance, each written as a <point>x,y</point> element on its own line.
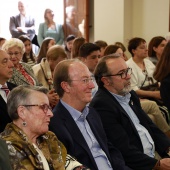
<point>24,123</point>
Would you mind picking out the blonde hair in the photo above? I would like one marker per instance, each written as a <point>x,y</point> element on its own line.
<point>55,52</point>
<point>13,42</point>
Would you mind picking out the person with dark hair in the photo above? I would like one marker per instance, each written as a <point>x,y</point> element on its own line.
<point>46,44</point>
<point>76,46</point>
<point>162,74</point>
<point>121,45</point>
<point>155,48</point>
<point>28,56</point>
<point>126,125</point>
<point>89,54</point>
<point>77,125</point>
<point>150,107</point>
<point>102,44</point>
<point>142,68</point>
<point>49,28</point>
<point>110,49</point>
<point>68,45</point>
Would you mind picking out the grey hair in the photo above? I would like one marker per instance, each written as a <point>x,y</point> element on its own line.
<point>13,42</point>
<point>20,96</point>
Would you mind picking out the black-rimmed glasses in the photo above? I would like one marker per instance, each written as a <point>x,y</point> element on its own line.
<point>123,74</point>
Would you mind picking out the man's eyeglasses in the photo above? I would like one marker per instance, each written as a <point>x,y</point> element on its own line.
<point>44,107</point>
<point>123,74</point>
<point>15,54</point>
<point>85,80</point>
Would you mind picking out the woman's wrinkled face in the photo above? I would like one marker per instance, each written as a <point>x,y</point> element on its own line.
<point>38,117</point>
<point>15,54</point>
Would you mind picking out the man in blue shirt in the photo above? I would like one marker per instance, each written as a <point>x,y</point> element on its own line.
<point>126,125</point>
<point>78,126</point>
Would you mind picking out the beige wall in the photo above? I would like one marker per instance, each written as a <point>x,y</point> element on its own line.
<point>108,20</point>
<point>120,20</point>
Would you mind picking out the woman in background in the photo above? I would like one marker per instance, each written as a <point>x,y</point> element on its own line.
<point>155,48</point>
<point>22,72</point>
<point>46,44</point>
<point>69,45</point>
<point>162,74</point>
<point>50,29</point>
<point>28,57</point>
<point>78,42</point>
<point>44,70</point>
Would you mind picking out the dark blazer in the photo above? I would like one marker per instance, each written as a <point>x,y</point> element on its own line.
<point>4,157</point>
<point>165,91</point>
<point>122,133</point>
<point>65,128</point>
<point>15,22</point>
<point>4,117</point>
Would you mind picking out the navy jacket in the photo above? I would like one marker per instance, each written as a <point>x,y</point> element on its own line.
<point>65,128</point>
<point>122,133</point>
<point>4,117</point>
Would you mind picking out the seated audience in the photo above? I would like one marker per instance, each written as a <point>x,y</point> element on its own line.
<point>49,28</point>
<point>126,125</point>
<point>46,44</point>
<point>6,72</point>
<point>28,57</point>
<point>78,126</point>
<point>77,43</point>
<point>44,70</point>
<point>150,107</point>
<point>155,48</point>
<point>22,72</point>
<point>69,45</point>
<point>102,44</point>
<point>4,156</point>
<point>89,54</point>
<point>162,74</point>
<point>30,144</point>
<point>110,49</point>
<point>121,45</point>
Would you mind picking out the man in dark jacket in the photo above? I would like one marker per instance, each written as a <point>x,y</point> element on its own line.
<point>76,125</point>
<point>5,73</point>
<point>126,125</point>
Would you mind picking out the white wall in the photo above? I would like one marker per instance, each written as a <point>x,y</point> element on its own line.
<point>108,20</point>
<point>120,20</point>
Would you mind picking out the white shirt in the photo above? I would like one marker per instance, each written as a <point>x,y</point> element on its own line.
<point>2,93</point>
<point>138,76</point>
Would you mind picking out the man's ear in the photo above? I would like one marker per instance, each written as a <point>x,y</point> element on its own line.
<point>105,81</point>
<point>65,86</point>
<point>133,51</point>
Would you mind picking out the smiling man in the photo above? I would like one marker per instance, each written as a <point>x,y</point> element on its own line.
<point>126,125</point>
<point>78,126</point>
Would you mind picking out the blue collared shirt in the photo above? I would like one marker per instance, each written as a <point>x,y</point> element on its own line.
<point>97,152</point>
<point>146,139</point>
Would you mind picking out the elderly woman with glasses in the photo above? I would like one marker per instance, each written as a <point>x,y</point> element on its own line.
<point>22,73</point>
<point>30,144</point>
